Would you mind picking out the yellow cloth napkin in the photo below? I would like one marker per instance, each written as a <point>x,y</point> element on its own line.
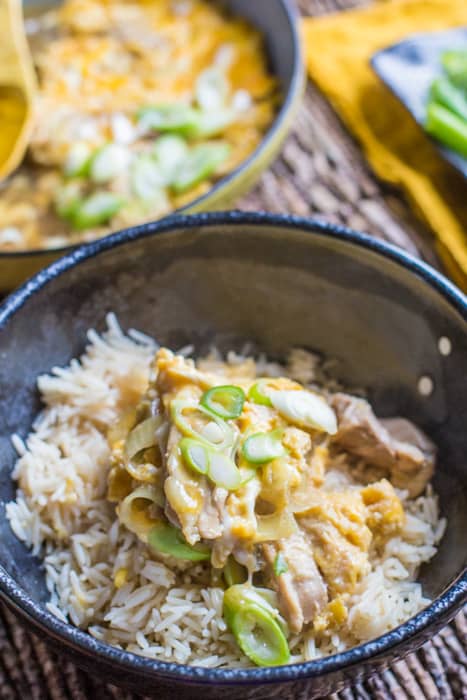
<point>337,52</point>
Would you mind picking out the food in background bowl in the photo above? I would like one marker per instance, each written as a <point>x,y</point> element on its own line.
<point>446,117</point>
<point>225,512</point>
<point>142,107</point>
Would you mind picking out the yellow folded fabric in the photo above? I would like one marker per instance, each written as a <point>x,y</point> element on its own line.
<point>337,52</point>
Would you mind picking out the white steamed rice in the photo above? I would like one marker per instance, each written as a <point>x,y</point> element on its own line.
<point>61,513</point>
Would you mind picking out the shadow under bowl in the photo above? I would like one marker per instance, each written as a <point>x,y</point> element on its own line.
<point>280,282</point>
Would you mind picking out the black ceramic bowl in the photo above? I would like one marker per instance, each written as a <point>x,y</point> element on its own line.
<point>281,282</point>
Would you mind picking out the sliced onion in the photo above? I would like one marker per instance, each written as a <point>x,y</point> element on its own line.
<point>195,454</point>
<point>120,429</point>
<point>133,510</point>
<point>109,162</point>
<point>164,538</point>
<point>170,152</point>
<point>145,472</point>
<point>142,436</point>
<point>78,160</point>
<point>275,527</point>
<point>305,409</point>
<point>213,433</point>
<point>147,181</point>
<point>263,447</point>
<point>224,472</point>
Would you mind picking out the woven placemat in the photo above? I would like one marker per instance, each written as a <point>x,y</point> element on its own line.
<point>321,173</point>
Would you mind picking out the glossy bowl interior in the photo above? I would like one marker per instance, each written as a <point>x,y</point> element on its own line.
<point>276,19</point>
<point>280,282</point>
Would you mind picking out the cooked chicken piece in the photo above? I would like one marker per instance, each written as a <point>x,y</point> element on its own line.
<point>395,445</point>
<point>301,589</point>
<point>335,523</point>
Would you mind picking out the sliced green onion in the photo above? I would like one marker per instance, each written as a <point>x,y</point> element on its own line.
<point>68,199</point>
<point>224,401</point>
<point>178,118</point>
<point>455,64</point>
<point>195,454</point>
<point>213,123</point>
<point>200,164</point>
<point>260,393</point>
<point>450,96</point>
<point>224,472</point>
<point>447,127</point>
<point>108,163</point>
<point>211,89</point>
<point>217,466</point>
<point>167,539</point>
<point>239,594</point>
<point>270,598</point>
<point>170,152</point>
<point>254,623</point>
<point>234,573</point>
<point>147,181</point>
<point>97,209</point>
<point>78,160</point>
<point>263,597</point>
<point>305,409</point>
<point>214,432</point>
<point>260,637</point>
<point>142,436</point>
<point>263,447</point>
<point>280,565</point>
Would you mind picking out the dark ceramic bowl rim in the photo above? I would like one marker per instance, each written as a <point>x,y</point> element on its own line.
<point>278,123</point>
<point>444,606</point>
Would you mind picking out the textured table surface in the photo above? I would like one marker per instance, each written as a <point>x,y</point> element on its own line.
<point>321,173</point>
